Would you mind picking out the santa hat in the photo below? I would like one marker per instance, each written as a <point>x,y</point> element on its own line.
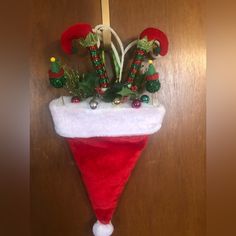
<point>106,144</point>
<point>107,140</point>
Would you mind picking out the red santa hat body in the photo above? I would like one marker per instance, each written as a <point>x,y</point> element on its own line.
<point>106,144</point>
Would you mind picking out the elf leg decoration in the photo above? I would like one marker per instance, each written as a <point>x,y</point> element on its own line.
<point>145,44</point>
<point>86,37</point>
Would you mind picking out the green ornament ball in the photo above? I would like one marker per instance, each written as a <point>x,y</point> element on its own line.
<point>145,98</point>
<point>57,82</point>
<point>153,86</point>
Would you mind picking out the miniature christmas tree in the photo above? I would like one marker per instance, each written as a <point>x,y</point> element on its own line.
<point>56,74</point>
<point>153,84</point>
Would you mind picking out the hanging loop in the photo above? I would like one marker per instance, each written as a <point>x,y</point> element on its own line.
<point>106,21</point>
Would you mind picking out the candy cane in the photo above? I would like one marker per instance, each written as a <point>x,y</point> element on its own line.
<point>88,39</point>
<point>145,44</point>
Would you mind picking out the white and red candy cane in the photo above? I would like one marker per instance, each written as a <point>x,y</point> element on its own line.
<point>81,31</point>
<point>152,34</point>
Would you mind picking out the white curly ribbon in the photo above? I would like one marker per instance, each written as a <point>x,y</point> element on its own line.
<point>100,229</point>
<point>119,58</point>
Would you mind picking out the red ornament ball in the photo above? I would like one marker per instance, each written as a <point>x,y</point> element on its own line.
<point>136,103</point>
<point>75,99</point>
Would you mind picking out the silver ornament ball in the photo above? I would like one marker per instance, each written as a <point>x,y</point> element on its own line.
<point>93,104</point>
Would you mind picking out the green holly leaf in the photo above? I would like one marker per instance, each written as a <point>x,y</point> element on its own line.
<point>88,84</point>
<point>112,92</point>
<point>90,40</point>
<point>145,44</point>
<point>125,92</point>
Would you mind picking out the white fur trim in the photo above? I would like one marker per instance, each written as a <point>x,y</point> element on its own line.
<point>108,120</point>
<point>100,229</point>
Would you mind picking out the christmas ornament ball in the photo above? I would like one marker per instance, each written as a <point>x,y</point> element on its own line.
<point>145,98</point>
<point>153,86</point>
<point>136,103</point>
<point>75,99</point>
<point>93,104</point>
<point>57,82</point>
<point>116,101</point>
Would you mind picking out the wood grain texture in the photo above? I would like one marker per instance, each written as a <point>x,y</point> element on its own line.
<point>166,193</point>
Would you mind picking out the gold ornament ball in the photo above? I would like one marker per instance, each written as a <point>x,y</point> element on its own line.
<point>116,101</point>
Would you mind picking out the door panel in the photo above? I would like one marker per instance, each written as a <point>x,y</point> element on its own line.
<point>166,193</point>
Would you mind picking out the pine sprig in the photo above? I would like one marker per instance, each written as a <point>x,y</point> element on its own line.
<point>81,85</point>
<point>72,79</point>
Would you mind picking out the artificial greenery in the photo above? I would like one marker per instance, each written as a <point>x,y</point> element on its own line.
<point>140,82</point>
<point>112,92</point>
<point>83,85</point>
<point>90,40</point>
<point>145,44</point>
<point>86,85</point>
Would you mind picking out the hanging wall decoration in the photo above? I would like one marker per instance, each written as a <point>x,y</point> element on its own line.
<point>107,120</point>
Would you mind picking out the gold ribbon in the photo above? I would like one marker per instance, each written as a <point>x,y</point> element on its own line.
<point>106,21</point>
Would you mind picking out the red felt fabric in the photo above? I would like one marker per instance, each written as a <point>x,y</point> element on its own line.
<point>56,75</point>
<point>152,77</point>
<point>105,164</point>
<point>76,31</point>
<point>156,34</point>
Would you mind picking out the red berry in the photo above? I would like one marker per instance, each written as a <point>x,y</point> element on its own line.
<point>134,88</point>
<point>75,99</point>
<point>130,80</point>
<point>104,85</point>
<point>136,103</point>
<point>133,71</point>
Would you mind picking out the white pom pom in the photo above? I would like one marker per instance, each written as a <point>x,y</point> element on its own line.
<point>100,229</point>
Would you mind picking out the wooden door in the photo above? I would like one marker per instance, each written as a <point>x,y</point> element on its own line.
<point>166,193</point>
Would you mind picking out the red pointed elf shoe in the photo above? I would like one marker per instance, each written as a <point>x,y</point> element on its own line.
<point>106,144</point>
